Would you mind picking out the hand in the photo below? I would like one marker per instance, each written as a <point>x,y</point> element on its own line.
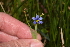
<point>14,33</point>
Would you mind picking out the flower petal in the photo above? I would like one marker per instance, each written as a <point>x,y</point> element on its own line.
<point>33,18</point>
<point>40,18</point>
<point>34,22</point>
<point>37,17</point>
<point>40,22</point>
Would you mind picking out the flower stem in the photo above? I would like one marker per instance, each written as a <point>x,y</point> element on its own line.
<point>36,30</point>
<point>35,27</point>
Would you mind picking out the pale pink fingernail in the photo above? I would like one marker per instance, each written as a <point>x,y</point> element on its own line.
<point>36,43</point>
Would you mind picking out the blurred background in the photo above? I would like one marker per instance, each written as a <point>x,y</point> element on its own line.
<point>55,29</point>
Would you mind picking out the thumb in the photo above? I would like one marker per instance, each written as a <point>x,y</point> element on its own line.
<point>22,43</point>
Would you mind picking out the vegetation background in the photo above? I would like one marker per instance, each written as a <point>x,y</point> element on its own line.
<point>56,18</point>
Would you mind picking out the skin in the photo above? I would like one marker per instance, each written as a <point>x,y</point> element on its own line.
<point>14,33</point>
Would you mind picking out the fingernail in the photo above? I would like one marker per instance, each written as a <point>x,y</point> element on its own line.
<point>36,43</point>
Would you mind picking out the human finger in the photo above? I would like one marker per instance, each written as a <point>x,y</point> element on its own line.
<point>12,26</point>
<point>22,43</point>
<point>4,37</point>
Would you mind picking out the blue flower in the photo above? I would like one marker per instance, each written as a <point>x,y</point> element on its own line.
<point>37,19</point>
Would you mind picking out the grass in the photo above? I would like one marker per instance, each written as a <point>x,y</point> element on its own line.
<point>56,17</point>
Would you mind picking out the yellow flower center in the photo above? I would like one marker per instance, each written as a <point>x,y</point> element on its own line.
<point>37,20</point>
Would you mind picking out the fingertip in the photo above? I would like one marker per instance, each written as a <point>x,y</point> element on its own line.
<point>39,37</point>
<point>36,43</point>
<point>31,42</point>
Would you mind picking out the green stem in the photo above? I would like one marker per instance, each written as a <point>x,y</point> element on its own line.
<point>36,30</point>
<point>35,27</point>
